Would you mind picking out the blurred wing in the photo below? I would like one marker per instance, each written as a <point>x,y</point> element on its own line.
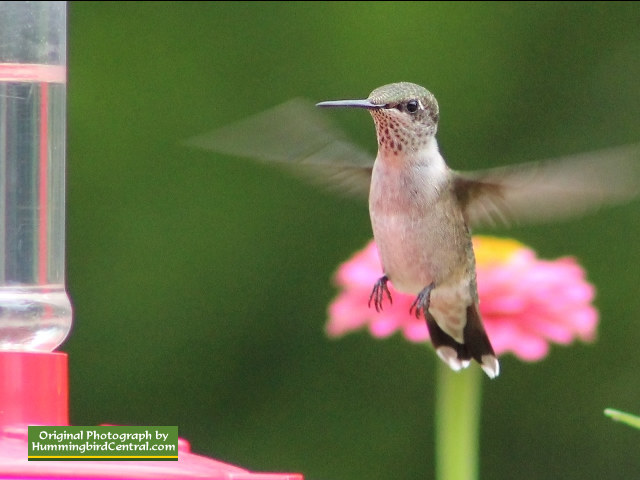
<point>552,189</point>
<point>299,137</point>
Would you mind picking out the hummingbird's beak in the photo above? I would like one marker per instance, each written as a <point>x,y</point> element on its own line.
<point>351,103</point>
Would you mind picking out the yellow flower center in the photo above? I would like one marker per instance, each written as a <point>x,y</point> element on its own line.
<point>491,250</point>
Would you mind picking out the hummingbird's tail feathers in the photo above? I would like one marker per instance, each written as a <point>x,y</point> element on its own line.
<point>490,365</point>
<point>450,356</point>
<point>454,354</point>
<point>476,345</point>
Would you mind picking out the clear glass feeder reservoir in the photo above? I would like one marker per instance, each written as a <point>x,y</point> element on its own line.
<point>35,311</point>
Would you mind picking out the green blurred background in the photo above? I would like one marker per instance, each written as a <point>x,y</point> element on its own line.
<point>201,282</point>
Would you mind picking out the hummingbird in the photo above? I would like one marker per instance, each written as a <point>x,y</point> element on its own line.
<point>421,210</point>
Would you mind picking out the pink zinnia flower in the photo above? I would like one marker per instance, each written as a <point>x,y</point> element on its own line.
<point>525,302</point>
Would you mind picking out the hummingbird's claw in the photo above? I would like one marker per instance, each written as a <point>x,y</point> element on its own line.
<point>422,301</point>
<point>378,293</point>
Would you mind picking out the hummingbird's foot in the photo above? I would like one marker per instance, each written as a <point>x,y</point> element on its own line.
<point>378,293</point>
<point>422,301</point>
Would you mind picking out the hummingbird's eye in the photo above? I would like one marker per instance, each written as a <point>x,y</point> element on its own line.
<point>412,106</point>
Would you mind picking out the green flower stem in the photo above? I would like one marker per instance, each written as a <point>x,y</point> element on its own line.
<point>457,423</point>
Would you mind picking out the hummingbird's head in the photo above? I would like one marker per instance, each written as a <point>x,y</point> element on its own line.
<point>407,117</point>
<point>405,114</point>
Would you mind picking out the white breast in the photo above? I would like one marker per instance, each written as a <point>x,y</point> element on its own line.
<point>409,216</point>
